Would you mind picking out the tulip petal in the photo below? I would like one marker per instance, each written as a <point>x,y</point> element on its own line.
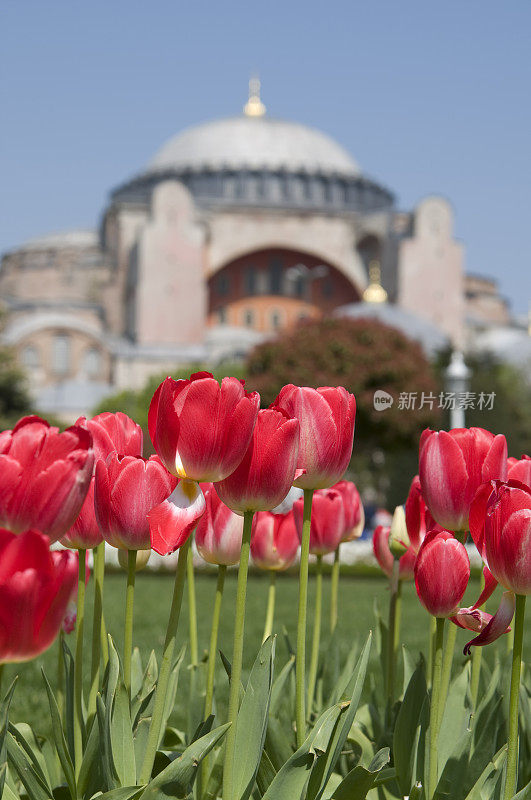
<point>471,619</point>
<point>497,626</point>
<point>490,585</point>
<point>171,522</point>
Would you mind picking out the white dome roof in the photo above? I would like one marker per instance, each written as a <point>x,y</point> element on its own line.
<point>253,143</point>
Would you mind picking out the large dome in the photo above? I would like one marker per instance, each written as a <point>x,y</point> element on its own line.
<point>259,143</point>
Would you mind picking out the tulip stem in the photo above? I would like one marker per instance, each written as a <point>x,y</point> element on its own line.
<point>237,655</point>
<point>431,650</point>
<point>512,742</point>
<point>449,648</point>
<point>78,663</point>
<point>60,674</point>
<point>477,654</point>
<point>270,613</point>
<point>129,608</point>
<point>392,642</point>
<point>212,652</point>
<point>334,590</point>
<point>300,662</point>
<point>165,667</point>
<point>192,632</point>
<point>314,661</point>
<point>2,670</point>
<point>97,619</point>
<point>434,706</point>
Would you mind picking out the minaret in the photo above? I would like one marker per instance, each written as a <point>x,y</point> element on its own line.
<point>374,293</point>
<point>254,106</point>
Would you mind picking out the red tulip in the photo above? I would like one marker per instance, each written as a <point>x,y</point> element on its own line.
<point>442,571</point>
<point>113,433</point>
<point>453,465</point>
<point>44,476</point>
<point>218,536</point>
<point>274,540</point>
<point>264,476</point>
<point>201,429</point>
<point>519,470</point>
<point>328,521</point>
<point>35,588</point>
<point>127,488</point>
<point>85,533</point>
<point>326,418</point>
<point>385,559</point>
<point>353,510</point>
<point>501,528</point>
<point>416,514</point>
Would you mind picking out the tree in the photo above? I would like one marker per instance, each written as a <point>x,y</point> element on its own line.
<point>15,401</point>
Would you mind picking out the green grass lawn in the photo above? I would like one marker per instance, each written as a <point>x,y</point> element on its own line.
<point>358,596</point>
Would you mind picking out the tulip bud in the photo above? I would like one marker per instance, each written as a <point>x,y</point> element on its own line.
<point>328,521</point>
<point>353,508</point>
<point>142,558</point>
<point>442,571</point>
<point>218,536</point>
<point>398,536</point>
<point>274,540</point>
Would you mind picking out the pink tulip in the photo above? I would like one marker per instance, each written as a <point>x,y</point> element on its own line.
<point>442,571</point>
<point>201,429</point>
<point>218,536</point>
<point>274,540</point>
<point>35,588</point>
<point>385,559</point>
<point>85,533</point>
<point>353,510</point>
<point>44,476</point>
<point>519,470</point>
<point>264,476</point>
<point>453,465</point>
<point>328,521</point>
<point>326,418</point>
<point>127,488</point>
<point>113,433</point>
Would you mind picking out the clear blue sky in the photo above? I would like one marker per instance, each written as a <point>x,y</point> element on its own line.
<point>430,97</point>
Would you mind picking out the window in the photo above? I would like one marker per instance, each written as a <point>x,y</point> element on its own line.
<point>276,319</point>
<point>30,357</point>
<point>92,363</point>
<point>222,315</point>
<point>61,354</point>
<point>327,287</point>
<point>275,276</point>
<point>248,318</point>
<point>223,283</point>
<point>250,281</point>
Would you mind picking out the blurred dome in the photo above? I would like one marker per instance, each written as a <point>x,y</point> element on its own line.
<point>253,142</point>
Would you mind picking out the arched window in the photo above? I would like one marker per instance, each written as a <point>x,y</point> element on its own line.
<point>276,319</point>
<point>61,354</point>
<point>30,357</point>
<point>222,315</point>
<point>92,363</point>
<point>248,317</point>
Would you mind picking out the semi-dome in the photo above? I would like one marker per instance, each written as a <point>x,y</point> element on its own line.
<point>256,143</point>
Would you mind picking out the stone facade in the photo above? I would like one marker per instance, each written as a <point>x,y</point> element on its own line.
<point>200,259</point>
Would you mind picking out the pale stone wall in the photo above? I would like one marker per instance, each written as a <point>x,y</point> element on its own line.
<point>333,239</point>
<point>170,297</point>
<point>430,269</point>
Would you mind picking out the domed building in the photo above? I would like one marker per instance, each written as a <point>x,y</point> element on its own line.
<point>235,229</point>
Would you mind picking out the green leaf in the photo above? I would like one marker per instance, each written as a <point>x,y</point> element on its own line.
<point>136,672</point>
<point>481,752</point>
<point>90,776</point>
<point>109,780</point>
<point>175,781</point>
<point>60,741</point>
<point>483,789</point>
<point>324,767</point>
<point>266,773</point>
<point>293,775</point>
<point>251,723</point>
<point>122,793</point>
<point>409,667</point>
<point>69,697</point>
<point>172,691</point>
<point>338,692</point>
<point>33,783</point>
<point>123,751</point>
<point>4,717</point>
<point>456,716</point>
<point>451,781</point>
<point>360,780</point>
<point>405,734</point>
<point>279,686</point>
<point>25,738</point>
<point>524,794</point>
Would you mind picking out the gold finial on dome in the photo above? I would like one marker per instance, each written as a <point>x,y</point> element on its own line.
<point>374,293</point>
<point>254,106</point>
